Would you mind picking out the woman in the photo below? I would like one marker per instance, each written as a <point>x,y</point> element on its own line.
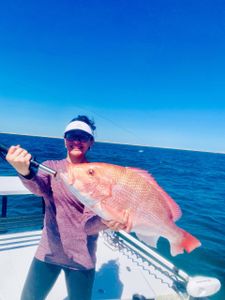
<point>70,230</point>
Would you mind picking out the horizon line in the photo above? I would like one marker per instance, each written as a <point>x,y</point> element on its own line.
<point>118,143</point>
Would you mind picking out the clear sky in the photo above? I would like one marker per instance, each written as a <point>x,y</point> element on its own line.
<point>149,72</point>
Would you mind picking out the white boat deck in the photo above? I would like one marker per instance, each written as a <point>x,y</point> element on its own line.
<point>116,276</point>
<point>120,274</point>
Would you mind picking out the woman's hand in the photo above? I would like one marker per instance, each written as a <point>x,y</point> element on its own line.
<point>125,225</point>
<point>19,158</point>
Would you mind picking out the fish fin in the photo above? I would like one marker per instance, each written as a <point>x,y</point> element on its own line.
<point>142,173</point>
<point>188,243</point>
<point>174,207</point>
<point>150,240</point>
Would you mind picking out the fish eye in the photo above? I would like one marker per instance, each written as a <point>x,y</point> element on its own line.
<point>91,172</point>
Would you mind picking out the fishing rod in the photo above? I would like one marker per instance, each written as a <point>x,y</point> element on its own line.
<point>33,162</point>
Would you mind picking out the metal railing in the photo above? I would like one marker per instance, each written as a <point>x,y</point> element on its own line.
<point>12,223</point>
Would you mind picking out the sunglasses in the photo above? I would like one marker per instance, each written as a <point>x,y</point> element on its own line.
<point>81,137</point>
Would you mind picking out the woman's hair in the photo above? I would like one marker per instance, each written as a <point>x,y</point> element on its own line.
<point>86,120</point>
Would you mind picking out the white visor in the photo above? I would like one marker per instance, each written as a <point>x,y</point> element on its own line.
<point>79,125</point>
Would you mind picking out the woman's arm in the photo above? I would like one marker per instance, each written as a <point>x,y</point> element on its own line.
<point>126,225</point>
<point>39,184</point>
<point>19,158</point>
<point>96,224</point>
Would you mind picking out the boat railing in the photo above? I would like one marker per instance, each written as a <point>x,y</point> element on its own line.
<point>148,260</point>
<point>10,187</point>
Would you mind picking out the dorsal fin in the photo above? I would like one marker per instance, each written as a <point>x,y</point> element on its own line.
<point>174,207</point>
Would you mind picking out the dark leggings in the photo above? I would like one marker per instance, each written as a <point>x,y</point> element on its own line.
<point>42,276</point>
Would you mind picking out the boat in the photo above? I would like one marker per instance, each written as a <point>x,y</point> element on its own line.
<point>126,268</point>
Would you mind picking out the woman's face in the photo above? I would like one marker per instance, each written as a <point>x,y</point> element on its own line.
<point>77,144</point>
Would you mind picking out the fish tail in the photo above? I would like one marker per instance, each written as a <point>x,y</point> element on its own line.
<point>188,243</point>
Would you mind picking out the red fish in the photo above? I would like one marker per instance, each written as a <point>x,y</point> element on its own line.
<point>111,191</point>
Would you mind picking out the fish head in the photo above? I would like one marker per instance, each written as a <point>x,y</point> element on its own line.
<point>89,182</point>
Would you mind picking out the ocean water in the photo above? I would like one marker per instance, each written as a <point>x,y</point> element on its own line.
<point>195,180</point>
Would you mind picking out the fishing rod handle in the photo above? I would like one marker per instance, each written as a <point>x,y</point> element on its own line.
<point>47,169</point>
<point>33,162</point>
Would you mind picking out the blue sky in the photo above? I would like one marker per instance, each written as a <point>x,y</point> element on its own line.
<point>149,72</point>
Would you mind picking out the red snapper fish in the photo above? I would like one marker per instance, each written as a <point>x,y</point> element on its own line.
<point>110,191</point>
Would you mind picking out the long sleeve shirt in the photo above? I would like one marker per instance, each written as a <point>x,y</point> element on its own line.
<point>70,230</point>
